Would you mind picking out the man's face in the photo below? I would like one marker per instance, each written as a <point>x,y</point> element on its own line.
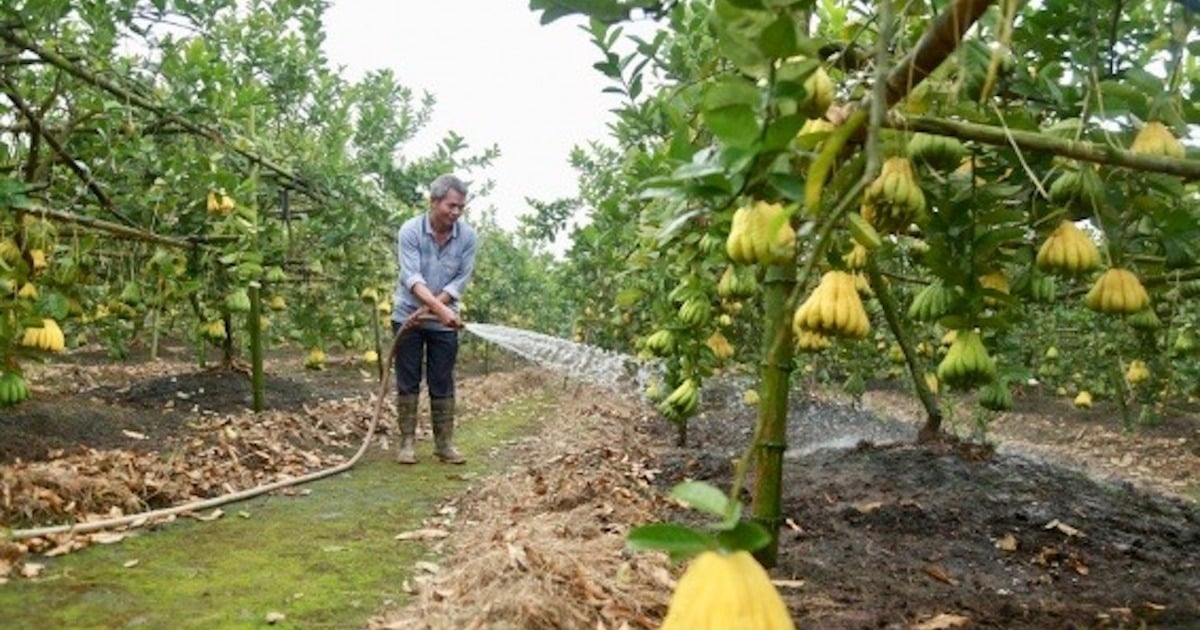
<point>448,209</point>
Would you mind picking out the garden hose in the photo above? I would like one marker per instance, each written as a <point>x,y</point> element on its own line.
<point>204,504</point>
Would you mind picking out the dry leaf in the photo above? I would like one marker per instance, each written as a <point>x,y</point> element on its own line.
<point>423,534</point>
<point>31,569</point>
<point>212,516</point>
<point>427,567</point>
<point>129,564</point>
<point>275,617</point>
<point>868,507</point>
<point>1064,528</point>
<point>788,583</point>
<point>108,538</point>
<point>1007,543</point>
<point>943,621</point>
<point>517,556</point>
<point>938,573</point>
<point>134,435</point>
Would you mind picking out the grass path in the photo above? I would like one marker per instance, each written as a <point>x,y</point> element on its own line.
<point>323,559</point>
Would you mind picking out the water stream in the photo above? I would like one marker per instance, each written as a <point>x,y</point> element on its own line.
<point>597,366</point>
<point>812,425</point>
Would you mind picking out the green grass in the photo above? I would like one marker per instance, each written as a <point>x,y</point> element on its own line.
<point>327,559</point>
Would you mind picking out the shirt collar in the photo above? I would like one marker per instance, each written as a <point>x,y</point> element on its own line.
<point>429,227</point>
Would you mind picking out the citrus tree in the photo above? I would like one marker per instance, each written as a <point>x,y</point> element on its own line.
<point>958,183</point>
<point>199,168</point>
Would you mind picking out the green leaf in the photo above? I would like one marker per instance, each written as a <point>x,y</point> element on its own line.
<point>676,540</point>
<point>702,496</point>
<point>746,535</point>
<point>778,40</point>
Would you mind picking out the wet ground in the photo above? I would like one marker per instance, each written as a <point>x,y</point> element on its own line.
<point>881,533</point>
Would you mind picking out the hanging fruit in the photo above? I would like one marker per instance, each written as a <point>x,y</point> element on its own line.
<point>834,308</point>
<point>894,200</point>
<point>1068,250</point>
<point>761,234</point>
<point>1117,292</point>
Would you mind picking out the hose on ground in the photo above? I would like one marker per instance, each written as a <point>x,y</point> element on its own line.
<point>204,504</point>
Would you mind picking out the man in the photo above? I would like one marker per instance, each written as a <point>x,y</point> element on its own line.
<point>436,257</point>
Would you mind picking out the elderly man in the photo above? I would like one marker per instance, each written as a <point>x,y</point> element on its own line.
<point>436,257</point>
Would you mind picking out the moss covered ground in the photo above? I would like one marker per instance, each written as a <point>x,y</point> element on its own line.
<point>325,557</point>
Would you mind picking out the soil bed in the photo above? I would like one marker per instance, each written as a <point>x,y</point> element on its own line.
<point>878,532</point>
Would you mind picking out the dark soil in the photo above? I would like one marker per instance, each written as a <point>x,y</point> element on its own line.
<point>889,534</point>
<point>883,533</point>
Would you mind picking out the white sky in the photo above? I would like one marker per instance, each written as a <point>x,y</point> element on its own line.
<point>499,78</point>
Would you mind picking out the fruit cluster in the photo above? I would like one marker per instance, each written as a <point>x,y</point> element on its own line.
<point>681,402</point>
<point>1118,292</point>
<point>1156,139</point>
<point>834,309</point>
<point>726,590</point>
<point>736,284</point>
<point>46,337</point>
<point>894,200</point>
<point>932,302</point>
<point>720,346</point>
<point>761,234</point>
<point>941,152</point>
<point>1068,250</point>
<point>967,362</point>
<point>13,389</point>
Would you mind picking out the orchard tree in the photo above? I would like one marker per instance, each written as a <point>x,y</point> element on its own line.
<point>934,179</point>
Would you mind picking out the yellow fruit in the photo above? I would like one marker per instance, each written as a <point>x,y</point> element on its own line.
<point>212,203</point>
<point>1069,250</point>
<point>315,359</point>
<point>370,357</point>
<point>720,591</point>
<point>1156,139</point>
<point>857,258</point>
<point>276,303</point>
<point>750,397</point>
<point>995,281</point>
<point>894,200</point>
<point>967,362</point>
<point>1083,400</point>
<point>1119,292</point>
<point>811,341</point>
<point>761,233</point>
<point>834,308</point>
<point>1137,373</point>
<point>38,258</point>
<point>719,345</point>
<point>28,291</point>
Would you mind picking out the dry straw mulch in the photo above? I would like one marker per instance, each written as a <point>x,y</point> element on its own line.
<point>543,545</point>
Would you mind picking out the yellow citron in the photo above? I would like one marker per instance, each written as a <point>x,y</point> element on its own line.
<point>212,204</point>
<point>1137,373</point>
<point>1069,250</point>
<point>834,308</point>
<point>38,258</point>
<point>1118,292</point>
<point>370,357</point>
<point>315,358</point>
<point>719,345</point>
<point>750,397</point>
<point>1084,399</point>
<point>725,591</point>
<point>1156,139</point>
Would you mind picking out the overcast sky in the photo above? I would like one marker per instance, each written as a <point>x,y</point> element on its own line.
<point>499,78</point>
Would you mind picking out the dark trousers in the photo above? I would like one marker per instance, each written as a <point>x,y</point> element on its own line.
<point>419,348</point>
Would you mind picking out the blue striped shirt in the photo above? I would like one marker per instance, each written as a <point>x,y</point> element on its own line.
<point>441,268</point>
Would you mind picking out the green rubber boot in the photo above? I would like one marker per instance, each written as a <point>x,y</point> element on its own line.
<point>442,412</point>
<point>406,419</point>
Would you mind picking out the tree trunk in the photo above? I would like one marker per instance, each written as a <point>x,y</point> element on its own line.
<point>775,386</point>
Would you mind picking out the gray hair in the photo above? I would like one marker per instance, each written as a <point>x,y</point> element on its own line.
<point>444,184</point>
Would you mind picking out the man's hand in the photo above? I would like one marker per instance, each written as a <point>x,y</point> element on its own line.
<point>448,317</point>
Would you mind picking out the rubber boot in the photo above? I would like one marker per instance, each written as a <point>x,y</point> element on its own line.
<point>406,419</point>
<point>442,416</point>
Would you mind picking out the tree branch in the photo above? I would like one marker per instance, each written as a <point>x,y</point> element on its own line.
<point>1033,141</point>
<point>89,181</point>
